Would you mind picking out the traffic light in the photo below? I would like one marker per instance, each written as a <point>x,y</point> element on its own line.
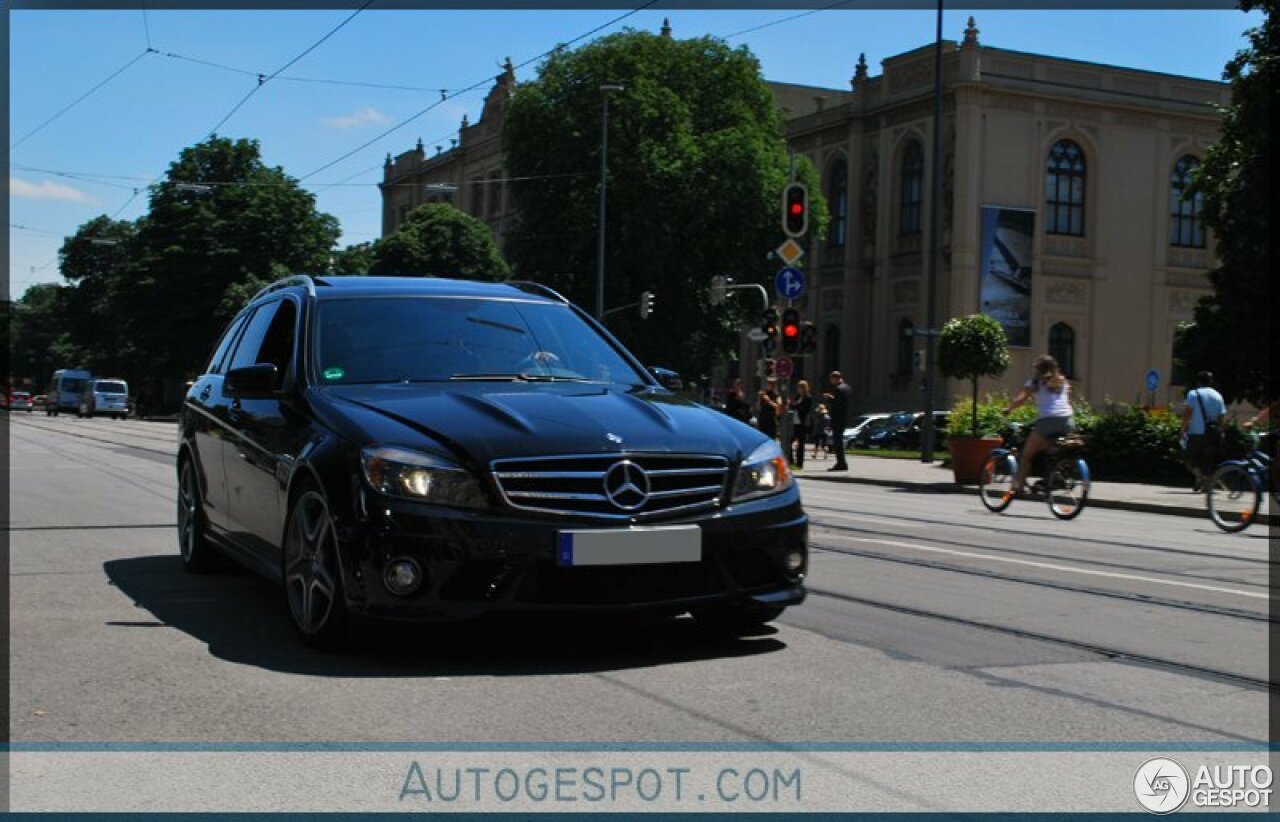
<point>795,210</point>
<point>769,325</point>
<point>808,338</point>
<point>790,330</point>
<point>646,304</point>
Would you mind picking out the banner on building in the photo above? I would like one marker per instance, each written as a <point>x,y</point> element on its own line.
<point>1004,289</point>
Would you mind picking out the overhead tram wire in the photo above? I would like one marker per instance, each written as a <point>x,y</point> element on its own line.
<point>788,19</point>
<point>446,97</point>
<point>262,81</point>
<point>82,97</point>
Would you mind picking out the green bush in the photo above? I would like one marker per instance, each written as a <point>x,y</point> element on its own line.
<point>991,417</point>
<point>969,348</point>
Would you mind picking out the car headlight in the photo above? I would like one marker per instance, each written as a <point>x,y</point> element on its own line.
<point>763,473</point>
<point>398,472</point>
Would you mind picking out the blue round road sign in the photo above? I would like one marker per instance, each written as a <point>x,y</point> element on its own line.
<point>789,283</point>
<point>1153,380</point>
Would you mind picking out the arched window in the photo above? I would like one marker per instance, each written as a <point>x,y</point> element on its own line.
<point>838,197</point>
<point>1064,189</point>
<point>1185,228</point>
<point>830,353</point>
<point>912,188</point>
<point>1062,347</point>
<point>906,346</point>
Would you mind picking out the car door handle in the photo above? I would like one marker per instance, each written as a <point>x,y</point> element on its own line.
<point>204,395</point>
<point>234,413</point>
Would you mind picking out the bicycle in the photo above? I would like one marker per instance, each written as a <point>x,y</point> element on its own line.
<point>1065,486</point>
<point>1236,489</point>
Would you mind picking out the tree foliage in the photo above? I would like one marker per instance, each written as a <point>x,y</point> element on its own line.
<point>696,167</point>
<point>354,259</point>
<point>220,223</point>
<point>438,240</point>
<point>970,348</point>
<point>1232,335</point>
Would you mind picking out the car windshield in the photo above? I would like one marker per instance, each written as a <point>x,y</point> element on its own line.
<point>109,387</point>
<point>428,339</point>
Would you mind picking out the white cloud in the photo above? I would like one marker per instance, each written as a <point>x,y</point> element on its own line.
<point>367,116</point>
<point>47,190</point>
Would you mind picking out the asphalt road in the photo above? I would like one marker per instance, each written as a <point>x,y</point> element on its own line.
<point>929,619</point>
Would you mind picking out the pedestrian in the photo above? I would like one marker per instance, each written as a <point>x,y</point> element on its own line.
<point>1202,419</point>
<point>838,400</point>
<point>770,408</point>
<point>821,431</point>
<point>1054,418</point>
<point>736,405</point>
<point>801,407</point>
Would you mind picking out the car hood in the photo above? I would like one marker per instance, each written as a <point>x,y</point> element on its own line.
<point>486,420</point>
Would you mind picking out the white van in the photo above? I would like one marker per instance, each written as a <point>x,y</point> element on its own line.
<point>109,397</point>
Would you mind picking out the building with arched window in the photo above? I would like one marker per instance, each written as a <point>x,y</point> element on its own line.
<point>1064,194</point>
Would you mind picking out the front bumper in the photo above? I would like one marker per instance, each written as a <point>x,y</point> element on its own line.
<point>480,562</point>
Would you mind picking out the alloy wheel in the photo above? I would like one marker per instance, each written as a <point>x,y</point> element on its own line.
<point>311,575</point>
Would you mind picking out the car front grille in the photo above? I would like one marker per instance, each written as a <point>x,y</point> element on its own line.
<point>632,487</point>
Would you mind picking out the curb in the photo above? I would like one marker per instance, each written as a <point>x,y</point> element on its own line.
<point>952,488</point>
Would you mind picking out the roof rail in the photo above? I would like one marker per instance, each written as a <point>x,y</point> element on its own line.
<point>531,287</point>
<point>288,282</point>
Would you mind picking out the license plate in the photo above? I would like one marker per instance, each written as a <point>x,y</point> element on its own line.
<point>629,546</point>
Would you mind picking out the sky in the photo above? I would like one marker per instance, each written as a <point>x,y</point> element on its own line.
<point>94,117</point>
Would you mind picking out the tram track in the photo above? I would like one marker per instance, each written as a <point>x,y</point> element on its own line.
<point>1118,654</point>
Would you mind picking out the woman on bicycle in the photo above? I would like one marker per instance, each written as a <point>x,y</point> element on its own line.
<point>1052,393</point>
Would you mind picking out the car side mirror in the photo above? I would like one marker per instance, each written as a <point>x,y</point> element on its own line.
<point>669,379</point>
<point>252,382</point>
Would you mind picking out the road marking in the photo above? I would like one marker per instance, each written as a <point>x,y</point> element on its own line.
<point>883,520</point>
<point>1048,565</point>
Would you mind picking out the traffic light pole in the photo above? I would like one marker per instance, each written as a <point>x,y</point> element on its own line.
<point>935,214</point>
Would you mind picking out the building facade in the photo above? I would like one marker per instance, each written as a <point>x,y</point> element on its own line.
<point>1062,213</point>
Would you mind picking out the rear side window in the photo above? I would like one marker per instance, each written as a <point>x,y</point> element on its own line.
<point>110,387</point>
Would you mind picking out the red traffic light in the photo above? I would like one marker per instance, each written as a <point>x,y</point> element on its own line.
<point>790,330</point>
<point>795,210</point>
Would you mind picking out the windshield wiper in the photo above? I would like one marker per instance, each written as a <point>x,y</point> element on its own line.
<point>516,378</point>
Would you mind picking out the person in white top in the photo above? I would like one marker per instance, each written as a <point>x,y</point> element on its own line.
<point>1052,394</point>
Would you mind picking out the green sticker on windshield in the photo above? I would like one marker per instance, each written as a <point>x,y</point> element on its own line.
<point>334,373</point>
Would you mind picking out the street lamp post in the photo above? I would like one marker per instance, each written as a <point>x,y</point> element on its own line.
<point>604,193</point>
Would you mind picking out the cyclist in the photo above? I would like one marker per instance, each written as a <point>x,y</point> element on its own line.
<point>1052,394</point>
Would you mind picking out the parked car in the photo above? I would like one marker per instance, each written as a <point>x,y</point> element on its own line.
<point>430,449</point>
<point>902,432</point>
<point>40,401</point>
<point>104,397</point>
<point>18,401</point>
<point>860,424</point>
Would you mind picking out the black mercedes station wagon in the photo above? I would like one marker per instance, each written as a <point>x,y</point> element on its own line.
<point>430,449</point>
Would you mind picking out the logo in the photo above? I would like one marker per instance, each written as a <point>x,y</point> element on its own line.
<point>626,485</point>
<point>1161,785</point>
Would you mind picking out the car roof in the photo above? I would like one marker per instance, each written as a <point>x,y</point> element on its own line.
<point>327,287</point>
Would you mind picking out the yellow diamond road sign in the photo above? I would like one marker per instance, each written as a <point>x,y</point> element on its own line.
<point>790,251</point>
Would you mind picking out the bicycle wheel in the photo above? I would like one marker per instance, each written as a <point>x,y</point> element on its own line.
<point>1067,487</point>
<point>995,484</point>
<point>1234,497</point>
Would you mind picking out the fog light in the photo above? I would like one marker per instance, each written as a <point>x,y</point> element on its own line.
<point>794,561</point>
<point>403,576</point>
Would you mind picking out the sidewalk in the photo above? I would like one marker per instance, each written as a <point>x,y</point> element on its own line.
<point>911,473</point>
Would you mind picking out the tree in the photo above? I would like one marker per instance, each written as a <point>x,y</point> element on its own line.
<point>97,262</point>
<point>972,347</point>
<point>354,259</point>
<point>221,225</point>
<point>696,168</point>
<point>38,338</point>
<point>437,239</point>
<point>1236,181</point>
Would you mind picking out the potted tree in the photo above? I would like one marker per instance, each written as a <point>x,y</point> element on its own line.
<point>970,348</point>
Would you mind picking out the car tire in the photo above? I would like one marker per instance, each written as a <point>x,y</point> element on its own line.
<point>312,573</point>
<point>736,620</point>
<point>197,554</point>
